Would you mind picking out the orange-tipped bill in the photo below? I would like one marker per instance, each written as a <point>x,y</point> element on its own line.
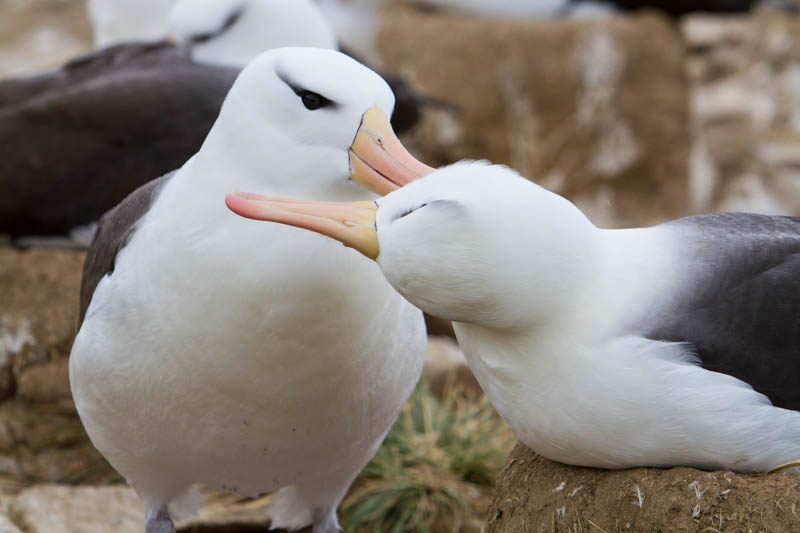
<point>352,223</point>
<point>378,160</point>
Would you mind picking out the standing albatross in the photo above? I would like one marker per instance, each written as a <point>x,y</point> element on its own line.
<point>220,351</point>
<point>672,345</point>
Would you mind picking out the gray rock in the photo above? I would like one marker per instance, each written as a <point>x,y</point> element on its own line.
<point>50,508</point>
<point>46,383</point>
<point>7,526</point>
<point>745,77</point>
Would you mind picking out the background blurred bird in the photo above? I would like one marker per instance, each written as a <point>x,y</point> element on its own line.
<point>118,21</point>
<point>79,139</point>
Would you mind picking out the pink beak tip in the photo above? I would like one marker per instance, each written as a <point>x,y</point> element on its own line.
<point>239,205</point>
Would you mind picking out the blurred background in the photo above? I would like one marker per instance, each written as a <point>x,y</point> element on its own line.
<point>638,116</point>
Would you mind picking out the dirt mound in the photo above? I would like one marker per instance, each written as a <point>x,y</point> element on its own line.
<point>534,494</point>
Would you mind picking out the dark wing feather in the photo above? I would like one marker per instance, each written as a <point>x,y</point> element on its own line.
<point>78,140</point>
<point>113,232</point>
<point>742,308</point>
<point>678,8</point>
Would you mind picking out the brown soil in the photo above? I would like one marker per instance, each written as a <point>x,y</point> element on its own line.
<point>595,111</point>
<point>38,35</point>
<point>534,494</point>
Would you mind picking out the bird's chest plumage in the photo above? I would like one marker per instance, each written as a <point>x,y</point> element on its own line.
<point>246,361</point>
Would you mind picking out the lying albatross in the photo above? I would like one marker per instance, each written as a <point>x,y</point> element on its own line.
<point>240,355</point>
<point>672,345</point>
<point>76,141</point>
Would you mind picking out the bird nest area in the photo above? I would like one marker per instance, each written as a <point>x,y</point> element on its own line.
<point>534,494</point>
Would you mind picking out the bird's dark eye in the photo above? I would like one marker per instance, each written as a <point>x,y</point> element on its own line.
<point>313,101</point>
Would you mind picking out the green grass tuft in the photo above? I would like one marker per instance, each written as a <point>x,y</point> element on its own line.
<point>435,470</point>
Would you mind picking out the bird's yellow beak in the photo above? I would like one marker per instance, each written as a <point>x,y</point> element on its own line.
<point>352,223</point>
<point>378,160</point>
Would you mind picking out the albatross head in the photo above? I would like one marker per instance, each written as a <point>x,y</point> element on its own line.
<point>310,122</point>
<point>233,32</point>
<point>472,242</point>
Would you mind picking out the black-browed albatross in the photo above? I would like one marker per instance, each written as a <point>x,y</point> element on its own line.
<point>672,345</point>
<point>238,355</point>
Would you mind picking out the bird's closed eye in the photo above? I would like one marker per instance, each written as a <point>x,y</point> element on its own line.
<point>409,211</point>
<point>439,204</point>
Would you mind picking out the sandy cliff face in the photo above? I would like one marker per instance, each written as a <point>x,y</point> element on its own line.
<point>38,35</point>
<point>595,110</point>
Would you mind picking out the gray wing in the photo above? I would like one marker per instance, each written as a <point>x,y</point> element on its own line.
<point>78,140</point>
<point>742,307</point>
<point>113,232</point>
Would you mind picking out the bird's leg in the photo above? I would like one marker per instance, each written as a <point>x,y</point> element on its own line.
<point>159,521</point>
<point>325,522</point>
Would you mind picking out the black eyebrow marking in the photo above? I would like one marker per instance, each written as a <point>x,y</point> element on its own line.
<point>230,20</point>
<point>409,211</point>
<point>300,91</point>
<point>286,79</point>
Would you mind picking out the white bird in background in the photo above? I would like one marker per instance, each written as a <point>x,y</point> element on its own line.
<point>233,32</point>
<point>356,23</point>
<point>244,356</point>
<point>671,345</point>
<point>117,21</point>
<point>262,24</point>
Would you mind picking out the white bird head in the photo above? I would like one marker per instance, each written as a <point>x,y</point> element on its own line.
<point>311,122</point>
<point>472,242</point>
<point>233,32</point>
